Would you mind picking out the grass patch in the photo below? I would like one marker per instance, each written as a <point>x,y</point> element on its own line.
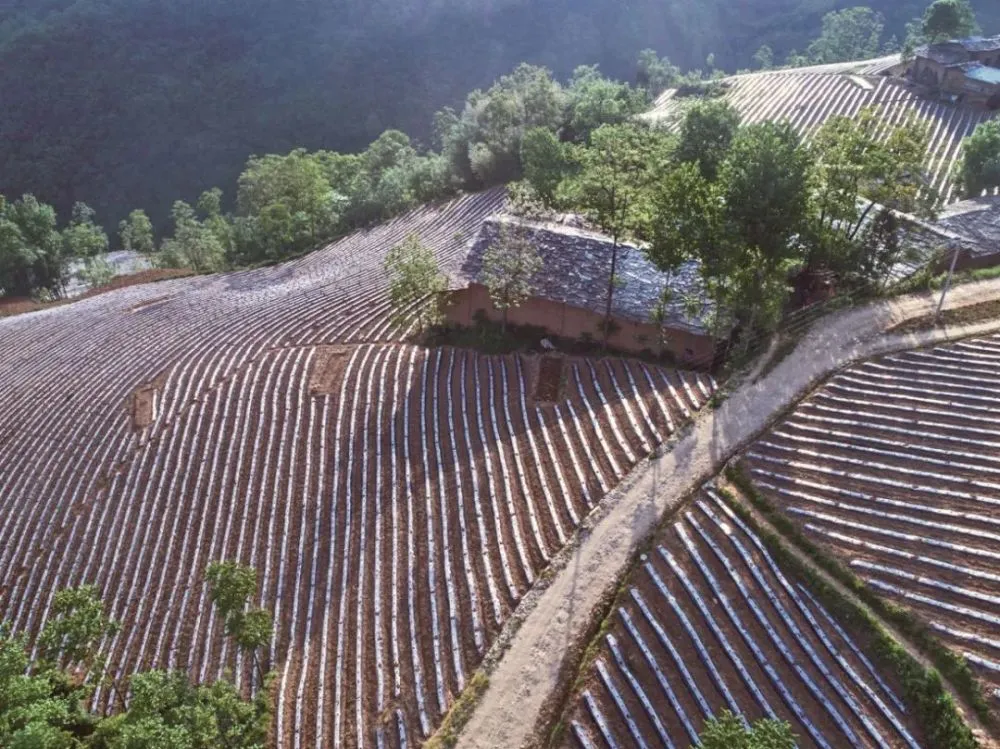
<point>925,280</point>
<point>933,707</point>
<point>447,735</point>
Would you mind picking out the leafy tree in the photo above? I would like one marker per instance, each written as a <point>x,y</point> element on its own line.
<point>509,265</point>
<point>726,731</point>
<point>167,711</point>
<point>949,19</point>
<point>33,254</point>
<point>83,237</point>
<point>706,134</point>
<point>416,284</point>
<point>617,170</point>
<point>194,245</point>
<point>688,222</point>
<point>136,233</point>
<point>860,166</point>
<point>546,162</point>
<point>981,159</point>
<point>231,587</point>
<point>43,699</point>
<point>849,34</point>
<point>655,74</point>
<point>595,100</point>
<point>763,58</point>
<point>294,195</point>
<point>483,145</point>
<point>97,272</point>
<point>765,182</point>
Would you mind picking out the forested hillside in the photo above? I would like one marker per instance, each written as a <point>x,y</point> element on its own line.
<point>134,103</point>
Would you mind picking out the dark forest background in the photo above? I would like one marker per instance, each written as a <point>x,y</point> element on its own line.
<point>134,103</point>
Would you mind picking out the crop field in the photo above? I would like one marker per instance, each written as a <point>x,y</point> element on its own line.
<point>396,502</point>
<point>710,622</point>
<point>807,99</point>
<point>894,465</point>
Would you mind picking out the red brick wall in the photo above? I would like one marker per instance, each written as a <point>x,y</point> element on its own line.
<point>573,322</point>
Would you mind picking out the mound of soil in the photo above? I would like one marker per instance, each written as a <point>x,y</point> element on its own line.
<point>550,374</point>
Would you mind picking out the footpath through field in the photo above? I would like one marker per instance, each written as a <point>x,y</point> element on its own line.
<point>529,671</point>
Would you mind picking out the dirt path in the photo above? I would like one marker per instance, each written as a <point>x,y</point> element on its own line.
<point>529,671</point>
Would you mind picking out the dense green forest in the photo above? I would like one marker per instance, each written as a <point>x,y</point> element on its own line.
<point>135,103</point>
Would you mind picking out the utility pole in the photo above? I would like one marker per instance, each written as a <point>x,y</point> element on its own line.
<point>947,284</point>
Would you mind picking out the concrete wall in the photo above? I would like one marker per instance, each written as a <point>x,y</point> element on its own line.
<point>573,322</point>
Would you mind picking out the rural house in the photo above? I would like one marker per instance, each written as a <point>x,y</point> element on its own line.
<point>966,70</point>
<point>571,291</point>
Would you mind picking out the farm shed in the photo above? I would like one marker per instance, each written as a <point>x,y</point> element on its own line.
<point>571,289</point>
<point>966,68</point>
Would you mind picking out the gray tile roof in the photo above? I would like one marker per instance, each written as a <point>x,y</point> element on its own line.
<point>981,44</point>
<point>576,266</point>
<point>978,220</point>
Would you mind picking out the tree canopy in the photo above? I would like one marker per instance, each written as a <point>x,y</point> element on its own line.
<point>981,159</point>
<point>138,103</point>
<point>849,34</point>
<point>949,19</point>
<point>44,696</point>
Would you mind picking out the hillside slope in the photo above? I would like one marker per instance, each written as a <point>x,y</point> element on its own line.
<point>136,103</point>
<point>397,502</point>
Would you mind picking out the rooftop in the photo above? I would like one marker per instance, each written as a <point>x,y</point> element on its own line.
<point>576,264</point>
<point>958,51</point>
<point>983,73</point>
<point>981,43</point>
<point>978,219</point>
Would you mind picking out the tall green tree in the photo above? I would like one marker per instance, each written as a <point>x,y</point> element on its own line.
<point>43,698</point>
<point>231,588</point>
<point>617,170</point>
<point>765,182</point>
<point>763,58</point>
<point>136,233</point>
<point>33,254</point>
<point>860,168</point>
<point>981,159</point>
<point>416,284</point>
<point>849,34</point>
<point>83,237</point>
<point>510,264</point>
<point>655,74</point>
<point>547,162</point>
<point>483,144</point>
<point>194,244</point>
<point>595,100</point>
<point>706,134</point>
<point>949,19</point>
<point>726,731</point>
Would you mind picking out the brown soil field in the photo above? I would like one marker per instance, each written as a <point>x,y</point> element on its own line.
<point>708,621</point>
<point>397,502</point>
<point>893,466</point>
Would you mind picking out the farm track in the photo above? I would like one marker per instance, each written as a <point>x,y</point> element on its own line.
<point>809,97</point>
<point>397,503</point>
<point>710,622</point>
<point>893,465</point>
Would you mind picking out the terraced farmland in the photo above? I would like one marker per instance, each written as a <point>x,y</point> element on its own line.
<point>396,502</point>
<point>808,98</point>
<point>710,622</point>
<point>893,465</point>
